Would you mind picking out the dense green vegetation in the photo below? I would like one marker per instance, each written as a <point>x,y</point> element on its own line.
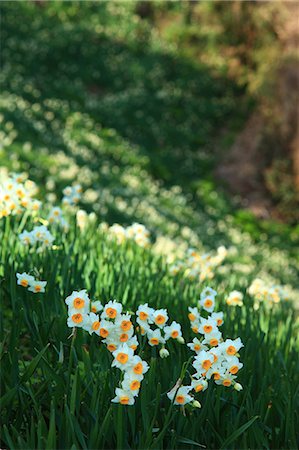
<point>57,392</point>
<point>92,94</point>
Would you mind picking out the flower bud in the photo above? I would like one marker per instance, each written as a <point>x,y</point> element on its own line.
<point>238,387</point>
<point>196,404</point>
<point>181,340</point>
<point>164,353</point>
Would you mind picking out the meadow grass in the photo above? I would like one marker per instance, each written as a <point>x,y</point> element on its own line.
<point>56,391</point>
<point>121,119</point>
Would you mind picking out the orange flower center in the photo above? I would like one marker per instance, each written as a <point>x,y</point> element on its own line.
<point>77,318</point>
<point>234,369</point>
<point>93,309</point>
<point>160,319</point>
<point>227,383</point>
<point>195,329</point>
<point>207,328</point>
<point>37,288</point>
<point>208,303</point>
<point>135,385</point>
<point>196,347</point>
<point>191,317</point>
<point>198,388</point>
<point>111,347</point>
<point>231,350</point>
<point>138,368</point>
<point>219,322</point>
<point>174,334</point>
<point>154,341</point>
<point>214,342</point>
<point>123,337</point>
<point>180,399</point>
<point>96,325</point>
<point>24,283</point>
<point>143,315</point>
<point>206,364</point>
<point>79,303</point>
<point>216,375</point>
<point>104,333</point>
<point>126,325</point>
<point>122,358</point>
<point>111,312</point>
<point>124,400</point>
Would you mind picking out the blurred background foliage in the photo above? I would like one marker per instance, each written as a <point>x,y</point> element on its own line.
<point>186,96</point>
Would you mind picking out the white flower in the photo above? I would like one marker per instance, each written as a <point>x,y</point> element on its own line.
<point>123,321</point>
<point>218,317</point>
<point>37,286</point>
<point>199,385</point>
<point>207,303</point>
<point>145,313</point>
<point>78,300</point>
<point>213,338</point>
<point>207,326</point>
<point>23,279</point>
<point>164,353</point>
<point>193,314</point>
<point>208,292</point>
<point>27,238</point>
<point>107,329</point>
<point>122,357</point>
<point>226,380</point>
<point>231,347</point>
<point>92,325</point>
<point>235,298</point>
<point>111,310</point>
<point>173,331</point>
<point>77,319</point>
<point>234,365</point>
<point>196,345</point>
<point>123,397</point>
<point>180,396</point>
<point>203,361</point>
<point>160,317</point>
<point>133,343</point>
<point>138,366</point>
<point>131,383</point>
<point>155,337</point>
<point>96,306</point>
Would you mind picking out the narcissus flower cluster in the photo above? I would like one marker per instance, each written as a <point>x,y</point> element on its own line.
<point>137,232</point>
<point>39,235</point>
<point>116,330</point>
<point>16,195</point>
<point>235,298</point>
<point>266,293</point>
<point>216,359</point>
<point>153,324</point>
<point>28,281</point>
<point>72,195</point>
<point>56,217</point>
<point>198,266</point>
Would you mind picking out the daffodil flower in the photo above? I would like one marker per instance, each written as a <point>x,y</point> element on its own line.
<point>23,279</point>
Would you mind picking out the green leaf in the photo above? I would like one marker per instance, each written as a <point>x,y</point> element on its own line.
<point>238,432</point>
<point>33,365</point>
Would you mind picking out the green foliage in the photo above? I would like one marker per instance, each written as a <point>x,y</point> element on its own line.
<point>91,94</point>
<point>56,391</point>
